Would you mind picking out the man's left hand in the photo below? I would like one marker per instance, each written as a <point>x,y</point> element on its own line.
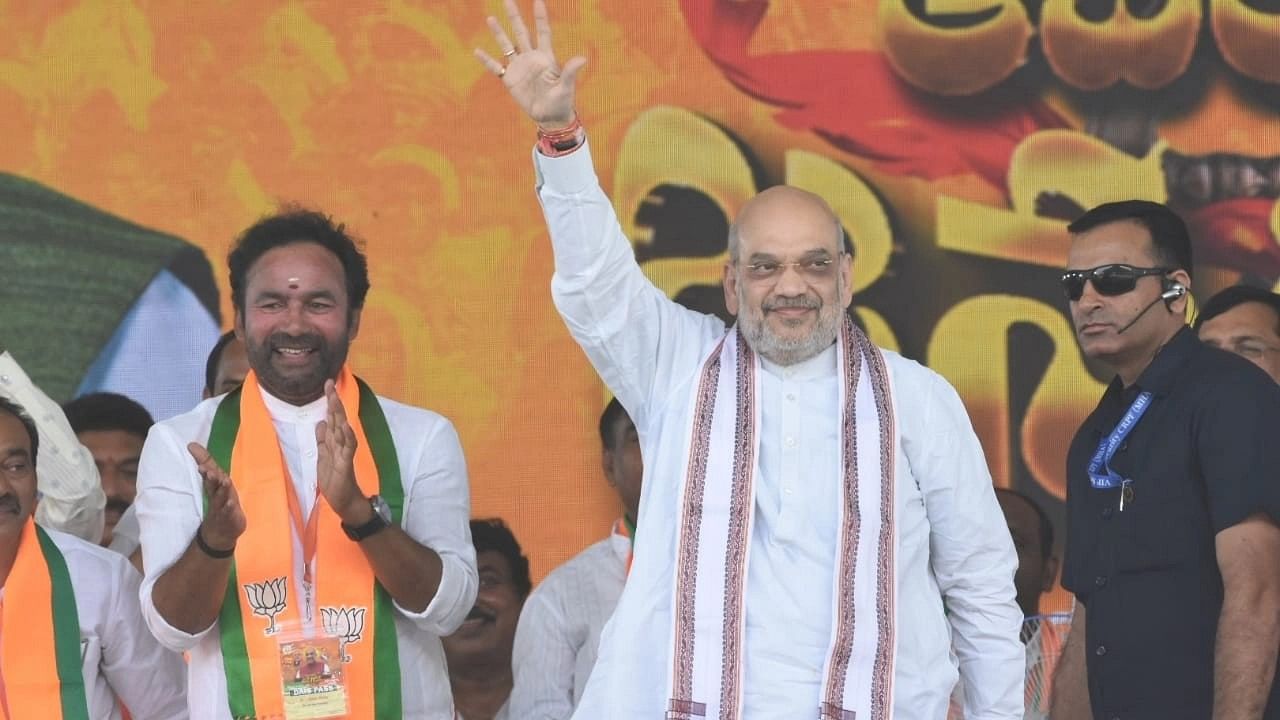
<point>335,467</point>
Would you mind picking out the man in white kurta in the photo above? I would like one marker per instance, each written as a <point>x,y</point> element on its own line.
<point>953,545</point>
<point>560,625</point>
<point>120,659</point>
<point>298,285</point>
<point>559,631</point>
<point>773,455</point>
<point>436,496</point>
<point>788,281</point>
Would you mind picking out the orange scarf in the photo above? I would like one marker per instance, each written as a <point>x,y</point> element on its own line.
<point>263,584</point>
<point>40,645</point>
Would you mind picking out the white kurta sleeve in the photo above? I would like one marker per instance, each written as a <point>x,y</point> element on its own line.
<point>437,515</point>
<point>632,333</point>
<point>971,553</point>
<point>169,507</point>
<point>149,679</point>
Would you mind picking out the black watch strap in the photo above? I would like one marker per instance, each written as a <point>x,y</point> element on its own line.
<point>381,520</point>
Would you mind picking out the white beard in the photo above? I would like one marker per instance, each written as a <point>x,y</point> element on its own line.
<point>787,351</point>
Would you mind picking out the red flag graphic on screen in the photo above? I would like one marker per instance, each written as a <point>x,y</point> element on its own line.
<point>855,101</point>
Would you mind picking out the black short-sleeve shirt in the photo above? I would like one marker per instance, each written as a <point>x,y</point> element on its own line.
<point>1204,456</point>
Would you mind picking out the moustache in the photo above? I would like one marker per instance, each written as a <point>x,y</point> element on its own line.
<point>9,503</point>
<point>802,301</point>
<point>479,613</point>
<point>117,504</point>
<point>305,341</point>
<point>1097,319</point>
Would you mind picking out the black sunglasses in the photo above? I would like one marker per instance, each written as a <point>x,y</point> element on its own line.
<point>1107,279</point>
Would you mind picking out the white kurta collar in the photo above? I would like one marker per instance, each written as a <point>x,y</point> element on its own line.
<point>819,366</point>
<point>313,412</point>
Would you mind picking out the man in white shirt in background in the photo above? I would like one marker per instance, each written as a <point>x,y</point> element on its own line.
<point>329,509</point>
<point>559,630</point>
<point>71,633</point>
<point>811,500</point>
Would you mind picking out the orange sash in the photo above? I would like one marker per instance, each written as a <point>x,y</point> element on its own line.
<point>265,566</point>
<point>40,647</point>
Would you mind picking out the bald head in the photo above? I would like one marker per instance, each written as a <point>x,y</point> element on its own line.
<point>788,278</point>
<point>783,211</point>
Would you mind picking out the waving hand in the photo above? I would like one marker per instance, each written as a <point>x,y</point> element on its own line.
<point>536,80</point>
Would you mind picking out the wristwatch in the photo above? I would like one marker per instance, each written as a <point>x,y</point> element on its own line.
<point>381,519</point>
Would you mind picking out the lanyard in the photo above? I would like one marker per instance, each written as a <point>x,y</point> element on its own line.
<point>308,534</point>
<point>1101,476</point>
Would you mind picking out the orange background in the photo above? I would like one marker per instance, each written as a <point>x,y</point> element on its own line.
<point>197,118</point>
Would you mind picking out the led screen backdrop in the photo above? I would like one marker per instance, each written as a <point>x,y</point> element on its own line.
<point>953,138</point>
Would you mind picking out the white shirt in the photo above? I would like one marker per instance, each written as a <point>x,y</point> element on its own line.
<point>559,630</point>
<point>436,512</point>
<point>118,655</point>
<point>125,536</point>
<point>952,539</point>
<point>504,712</point>
<point>71,497</point>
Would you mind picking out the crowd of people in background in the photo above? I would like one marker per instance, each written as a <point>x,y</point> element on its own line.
<point>807,527</point>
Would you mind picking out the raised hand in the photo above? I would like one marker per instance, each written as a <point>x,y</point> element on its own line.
<point>537,82</point>
<point>335,466</point>
<point>224,519</point>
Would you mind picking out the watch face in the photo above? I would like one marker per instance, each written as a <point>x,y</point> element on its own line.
<point>381,507</point>
<point>381,519</point>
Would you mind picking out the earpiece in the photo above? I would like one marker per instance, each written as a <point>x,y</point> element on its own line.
<point>1172,291</point>
<point>1175,291</point>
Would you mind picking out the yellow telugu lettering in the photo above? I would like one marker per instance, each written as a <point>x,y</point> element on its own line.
<point>1248,37</point>
<point>962,47</point>
<point>1096,53</point>
<point>972,347</point>
<point>988,39</point>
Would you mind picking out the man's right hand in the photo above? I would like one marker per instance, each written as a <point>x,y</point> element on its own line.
<point>537,82</point>
<point>189,594</point>
<point>224,519</point>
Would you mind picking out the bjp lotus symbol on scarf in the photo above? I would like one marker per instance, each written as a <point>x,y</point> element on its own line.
<point>268,600</point>
<point>345,623</point>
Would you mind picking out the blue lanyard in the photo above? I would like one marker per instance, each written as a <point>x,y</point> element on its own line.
<point>1101,476</point>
